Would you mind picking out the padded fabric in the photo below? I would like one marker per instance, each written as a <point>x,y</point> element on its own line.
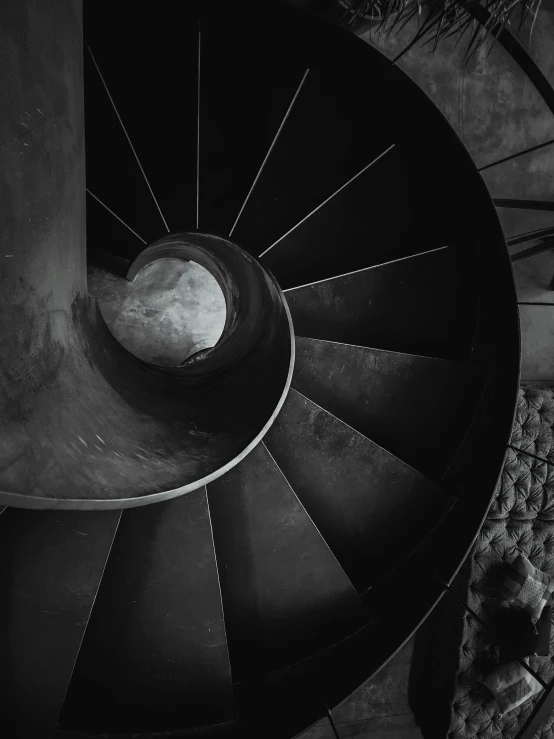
<point>452,650</point>
<point>526,588</point>
<point>511,684</point>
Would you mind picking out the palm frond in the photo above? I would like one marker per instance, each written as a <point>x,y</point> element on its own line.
<point>445,18</point>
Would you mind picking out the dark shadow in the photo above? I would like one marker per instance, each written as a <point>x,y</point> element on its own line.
<point>435,661</point>
<point>111,263</point>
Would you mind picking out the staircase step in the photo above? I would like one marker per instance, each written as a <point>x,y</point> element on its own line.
<point>415,407</point>
<point>161,127</point>
<point>112,166</point>
<point>422,305</point>
<point>155,654</point>
<point>276,571</point>
<point>358,228</point>
<point>371,507</point>
<point>101,225</point>
<point>331,133</point>
<point>51,565</point>
<point>233,147</point>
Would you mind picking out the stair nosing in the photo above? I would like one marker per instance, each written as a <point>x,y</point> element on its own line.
<point>366,269</point>
<point>323,539</point>
<point>91,611</point>
<point>384,351</point>
<point>222,606</point>
<point>374,443</point>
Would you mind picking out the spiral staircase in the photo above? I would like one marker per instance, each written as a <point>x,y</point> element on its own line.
<point>192,551</point>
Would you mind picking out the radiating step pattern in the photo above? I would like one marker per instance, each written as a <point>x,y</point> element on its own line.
<point>51,565</point>
<point>136,221</point>
<point>233,148</point>
<point>332,132</point>
<point>400,306</point>
<point>371,507</point>
<point>417,408</point>
<point>358,216</point>
<point>278,576</point>
<point>155,654</point>
<point>162,135</point>
<point>356,228</point>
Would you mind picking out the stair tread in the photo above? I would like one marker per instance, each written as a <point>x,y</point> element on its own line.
<point>358,228</point>
<point>107,146</point>
<point>424,305</point>
<point>51,564</point>
<point>161,127</point>
<point>323,144</point>
<point>417,408</point>
<point>155,654</point>
<point>233,147</point>
<point>276,571</point>
<point>371,507</point>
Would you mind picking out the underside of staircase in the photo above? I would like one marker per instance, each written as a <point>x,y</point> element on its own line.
<point>188,550</point>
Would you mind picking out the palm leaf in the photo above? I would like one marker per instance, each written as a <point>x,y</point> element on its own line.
<point>445,18</point>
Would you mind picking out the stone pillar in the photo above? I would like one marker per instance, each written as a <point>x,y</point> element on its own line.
<point>42,201</point>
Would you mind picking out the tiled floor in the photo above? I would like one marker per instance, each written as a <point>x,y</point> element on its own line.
<point>537,342</point>
<point>534,279</point>
<point>378,709</point>
<point>387,727</point>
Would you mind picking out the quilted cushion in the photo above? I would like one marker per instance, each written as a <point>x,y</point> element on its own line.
<point>455,651</point>
<point>525,587</point>
<point>511,684</point>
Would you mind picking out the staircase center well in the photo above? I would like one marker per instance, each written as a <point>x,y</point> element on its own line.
<point>173,310</point>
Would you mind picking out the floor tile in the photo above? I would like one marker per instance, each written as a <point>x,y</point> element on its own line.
<point>534,277</point>
<point>537,342</point>
<point>321,730</point>
<point>385,694</point>
<point>388,727</point>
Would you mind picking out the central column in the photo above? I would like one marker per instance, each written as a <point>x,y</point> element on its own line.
<point>42,206</point>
